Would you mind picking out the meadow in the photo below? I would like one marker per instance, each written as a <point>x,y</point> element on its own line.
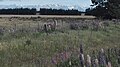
<point>59,42</point>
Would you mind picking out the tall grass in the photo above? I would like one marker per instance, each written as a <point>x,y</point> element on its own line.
<point>25,43</point>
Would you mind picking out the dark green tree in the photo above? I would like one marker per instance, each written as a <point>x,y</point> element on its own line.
<point>112,7</point>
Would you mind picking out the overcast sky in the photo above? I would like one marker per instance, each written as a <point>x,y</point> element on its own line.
<point>83,3</point>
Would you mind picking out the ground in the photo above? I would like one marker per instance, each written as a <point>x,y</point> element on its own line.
<point>25,43</point>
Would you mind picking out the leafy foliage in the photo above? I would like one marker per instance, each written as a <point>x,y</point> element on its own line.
<point>105,8</point>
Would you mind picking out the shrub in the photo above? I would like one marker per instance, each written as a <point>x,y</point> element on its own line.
<point>74,26</point>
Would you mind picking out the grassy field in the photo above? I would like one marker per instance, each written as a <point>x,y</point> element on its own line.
<point>24,43</point>
<point>51,16</point>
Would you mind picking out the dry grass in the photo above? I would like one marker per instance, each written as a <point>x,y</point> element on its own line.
<point>51,16</point>
<point>37,49</point>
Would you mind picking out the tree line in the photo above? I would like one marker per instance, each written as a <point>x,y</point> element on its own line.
<point>43,11</point>
<point>18,11</point>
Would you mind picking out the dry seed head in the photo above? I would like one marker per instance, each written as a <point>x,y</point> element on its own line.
<point>82,56</point>
<point>70,63</point>
<point>109,64</point>
<point>102,50</point>
<point>96,61</point>
<point>82,60</point>
<point>89,59</point>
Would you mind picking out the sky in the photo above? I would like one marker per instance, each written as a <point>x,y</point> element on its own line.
<point>82,3</point>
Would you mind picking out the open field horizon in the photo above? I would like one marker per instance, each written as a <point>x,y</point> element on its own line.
<point>52,16</point>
